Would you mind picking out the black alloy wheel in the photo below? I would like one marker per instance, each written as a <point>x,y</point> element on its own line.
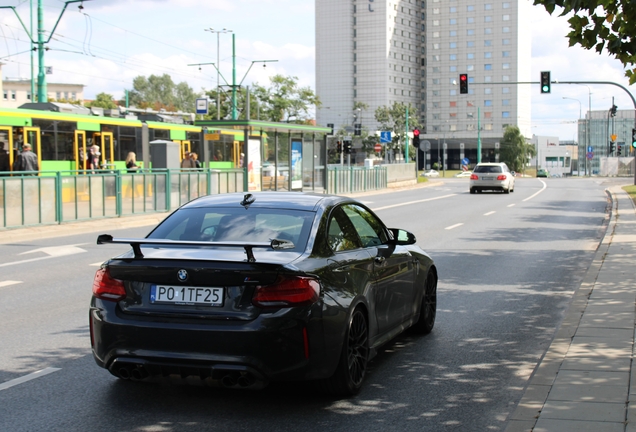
<point>352,367</point>
<point>428,308</point>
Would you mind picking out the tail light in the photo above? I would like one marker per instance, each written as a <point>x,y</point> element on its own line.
<point>107,288</point>
<point>287,291</point>
<point>501,177</point>
<point>474,177</point>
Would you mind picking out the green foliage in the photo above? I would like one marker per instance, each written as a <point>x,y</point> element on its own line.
<point>103,100</point>
<point>159,92</point>
<point>285,101</point>
<point>514,150</point>
<point>601,25</point>
<point>393,119</point>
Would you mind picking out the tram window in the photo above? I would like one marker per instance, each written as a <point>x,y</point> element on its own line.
<point>66,126</point>
<point>161,134</point>
<point>47,142</point>
<point>65,142</point>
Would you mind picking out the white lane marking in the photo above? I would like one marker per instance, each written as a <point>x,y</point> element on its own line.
<point>63,250</point>
<point>542,189</point>
<point>489,213</point>
<point>97,264</point>
<point>413,202</point>
<point>29,377</point>
<point>51,252</point>
<point>454,226</point>
<point>511,205</point>
<point>7,283</point>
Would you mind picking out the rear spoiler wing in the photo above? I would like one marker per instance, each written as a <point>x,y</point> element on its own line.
<point>275,244</point>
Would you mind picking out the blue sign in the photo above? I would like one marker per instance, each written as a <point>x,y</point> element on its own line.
<point>590,149</point>
<point>202,106</point>
<point>465,161</point>
<point>385,136</point>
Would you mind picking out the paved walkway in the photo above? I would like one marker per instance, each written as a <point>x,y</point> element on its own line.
<point>584,381</point>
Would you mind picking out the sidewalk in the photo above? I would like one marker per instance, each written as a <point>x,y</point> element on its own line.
<point>584,381</point>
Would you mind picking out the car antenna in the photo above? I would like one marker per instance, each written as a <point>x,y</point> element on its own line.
<point>248,200</point>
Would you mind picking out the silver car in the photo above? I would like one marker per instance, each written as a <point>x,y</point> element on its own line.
<point>492,176</point>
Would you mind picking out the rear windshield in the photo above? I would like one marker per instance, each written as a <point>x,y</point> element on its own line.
<point>487,169</point>
<point>224,224</point>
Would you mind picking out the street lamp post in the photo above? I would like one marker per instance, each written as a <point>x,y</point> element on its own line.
<point>218,73</point>
<point>588,123</point>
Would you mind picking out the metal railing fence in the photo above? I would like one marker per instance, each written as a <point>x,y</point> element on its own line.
<point>356,179</point>
<point>31,198</point>
<point>55,197</point>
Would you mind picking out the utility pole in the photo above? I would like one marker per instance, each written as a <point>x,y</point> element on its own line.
<point>42,97</point>
<point>218,74</point>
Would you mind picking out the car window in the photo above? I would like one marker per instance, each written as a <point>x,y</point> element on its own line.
<point>255,225</point>
<point>341,235</point>
<point>367,226</point>
<point>488,169</point>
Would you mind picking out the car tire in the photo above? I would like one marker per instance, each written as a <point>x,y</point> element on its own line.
<point>472,190</point>
<point>506,190</point>
<point>428,305</point>
<point>352,366</point>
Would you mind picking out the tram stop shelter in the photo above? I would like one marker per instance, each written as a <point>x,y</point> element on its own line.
<point>273,156</point>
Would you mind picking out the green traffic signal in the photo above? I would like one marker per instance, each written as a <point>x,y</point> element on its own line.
<point>545,82</point>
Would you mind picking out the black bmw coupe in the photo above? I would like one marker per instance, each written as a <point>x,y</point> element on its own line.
<point>238,290</point>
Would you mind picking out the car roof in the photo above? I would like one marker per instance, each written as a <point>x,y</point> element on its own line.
<point>490,164</point>
<point>286,200</point>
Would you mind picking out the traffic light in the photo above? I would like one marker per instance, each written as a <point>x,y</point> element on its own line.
<point>634,138</point>
<point>339,147</point>
<point>612,147</point>
<point>545,82</point>
<point>357,129</point>
<point>416,138</point>
<point>619,149</point>
<point>347,147</point>
<point>613,110</point>
<point>463,83</point>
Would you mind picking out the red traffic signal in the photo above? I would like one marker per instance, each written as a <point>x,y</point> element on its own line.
<point>416,132</point>
<point>463,83</point>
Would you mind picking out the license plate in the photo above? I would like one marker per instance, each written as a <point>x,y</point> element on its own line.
<point>487,178</point>
<point>183,295</point>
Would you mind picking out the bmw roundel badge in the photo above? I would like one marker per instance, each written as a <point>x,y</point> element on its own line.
<point>182,275</point>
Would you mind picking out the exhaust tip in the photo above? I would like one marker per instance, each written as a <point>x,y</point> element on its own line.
<point>123,373</point>
<point>229,380</point>
<point>246,380</point>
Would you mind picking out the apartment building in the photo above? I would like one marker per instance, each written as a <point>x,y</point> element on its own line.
<point>378,52</point>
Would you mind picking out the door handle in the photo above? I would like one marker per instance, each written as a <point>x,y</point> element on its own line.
<point>341,269</point>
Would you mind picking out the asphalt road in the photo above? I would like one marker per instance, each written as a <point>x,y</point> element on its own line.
<point>508,265</point>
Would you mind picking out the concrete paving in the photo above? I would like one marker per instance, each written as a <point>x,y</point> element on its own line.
<point>584,381</point>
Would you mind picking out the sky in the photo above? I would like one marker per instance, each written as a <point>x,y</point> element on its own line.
<point>108,43</point>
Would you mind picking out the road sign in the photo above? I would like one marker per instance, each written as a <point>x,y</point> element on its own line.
<point>202,106</point>
<point>427,145</point>
<point>590,155</point>
<point>465,161</point>
<point>385,136</point>
<point>378,148</point>
<point>590,149</point>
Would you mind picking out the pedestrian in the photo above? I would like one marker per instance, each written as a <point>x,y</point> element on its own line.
<point>187,161</point>
<point>195,158</point>
<point>26,161</point>
<point>93,157</point>
<point>131,162</point>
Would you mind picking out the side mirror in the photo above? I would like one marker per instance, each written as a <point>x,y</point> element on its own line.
<point>402,237</point>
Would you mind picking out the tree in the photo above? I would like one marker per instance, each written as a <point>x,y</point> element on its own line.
<point>285,101</point>
<point>103,100</point>
<point>602,25</point>
<point>159,92</point>
<point>515,152</point>
<point>393,119</point>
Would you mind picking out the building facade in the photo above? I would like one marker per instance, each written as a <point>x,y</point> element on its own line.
<point>378,52</point>
<point>595,133</point>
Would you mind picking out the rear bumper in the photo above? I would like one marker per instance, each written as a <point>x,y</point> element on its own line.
<point>282,345</point>
<point>489,185</point>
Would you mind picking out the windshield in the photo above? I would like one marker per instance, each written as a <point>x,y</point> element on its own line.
<point>488,169</point>
<point>225,224</point>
